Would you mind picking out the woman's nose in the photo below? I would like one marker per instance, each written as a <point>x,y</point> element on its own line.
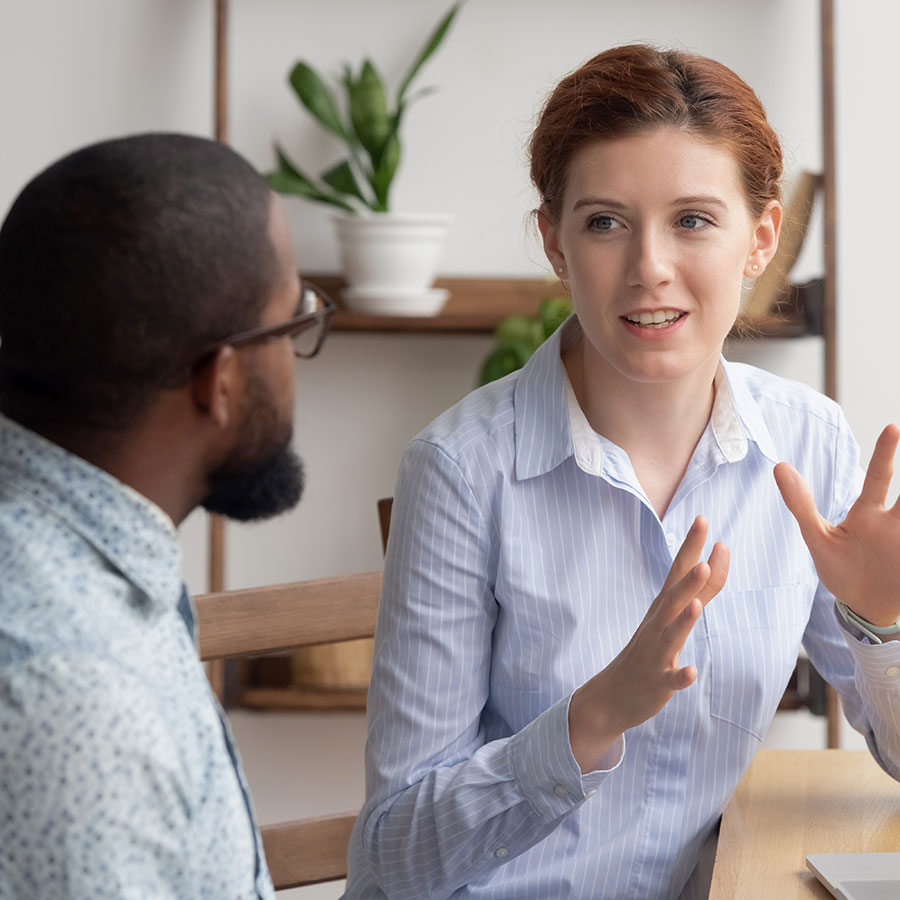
<point>649,263</point>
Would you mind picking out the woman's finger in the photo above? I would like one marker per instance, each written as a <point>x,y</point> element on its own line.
<point>881,467</point>
<point>677,631</point>
<point>674,599</point>
<point>719,561</point>
<point>799,500</point>
<point>679,679</point>
<point>689,552</point>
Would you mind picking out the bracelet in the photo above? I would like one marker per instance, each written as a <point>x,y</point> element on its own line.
<point>872,632</point>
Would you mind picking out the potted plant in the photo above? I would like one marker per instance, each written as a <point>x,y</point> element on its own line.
<point>389,260</point>
<point>517,337</point>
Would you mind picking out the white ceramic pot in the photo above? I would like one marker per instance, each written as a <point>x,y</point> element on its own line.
<point>390,260</point>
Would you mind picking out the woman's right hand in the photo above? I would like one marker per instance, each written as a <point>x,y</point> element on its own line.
<point>639,682</point>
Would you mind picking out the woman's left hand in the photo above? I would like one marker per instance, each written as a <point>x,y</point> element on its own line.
<point>859,559</point>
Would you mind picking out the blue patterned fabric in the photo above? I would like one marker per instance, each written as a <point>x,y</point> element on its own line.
<point>115,779</point>
<point>523,555</point>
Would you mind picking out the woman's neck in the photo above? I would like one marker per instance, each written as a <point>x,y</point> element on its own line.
<point>657,424</point>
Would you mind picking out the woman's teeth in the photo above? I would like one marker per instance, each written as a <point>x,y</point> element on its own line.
<point>659,319</point>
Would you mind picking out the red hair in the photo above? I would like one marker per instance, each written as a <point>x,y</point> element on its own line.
<point>637,87</point>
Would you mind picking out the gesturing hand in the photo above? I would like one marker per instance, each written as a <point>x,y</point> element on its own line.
<point>859,559</point>
<point>644,676</point>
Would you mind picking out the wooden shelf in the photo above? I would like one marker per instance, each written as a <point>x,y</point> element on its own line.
<point>476,306</point>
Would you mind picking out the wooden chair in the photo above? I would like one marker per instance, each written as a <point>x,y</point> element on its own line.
<point>283,617</point>
<point>384,519</point>
<point>806,688</point>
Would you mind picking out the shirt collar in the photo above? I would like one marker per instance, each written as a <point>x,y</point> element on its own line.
<point>126,528</point>
<point>543,434</point>
<point>551,426</point>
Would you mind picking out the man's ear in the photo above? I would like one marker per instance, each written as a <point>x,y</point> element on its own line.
<point>550,235</point>
<point>215,386</point>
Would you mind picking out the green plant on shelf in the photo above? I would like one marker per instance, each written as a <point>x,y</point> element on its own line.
<point>368,126</point>
<point>519,336</point>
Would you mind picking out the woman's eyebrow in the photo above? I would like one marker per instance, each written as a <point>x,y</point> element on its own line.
<point>599,201</point>
<point>693,199</point>
<point>700,200</point>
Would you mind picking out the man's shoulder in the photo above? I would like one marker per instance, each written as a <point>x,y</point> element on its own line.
<point>57,590</point>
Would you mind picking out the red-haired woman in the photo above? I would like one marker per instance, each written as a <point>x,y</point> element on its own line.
<point>570,675</point>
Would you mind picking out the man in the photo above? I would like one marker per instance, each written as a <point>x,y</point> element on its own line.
<point>148,322</point>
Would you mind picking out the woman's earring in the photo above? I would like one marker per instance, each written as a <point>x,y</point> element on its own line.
<point>755,266</point>
<point>559,270</point>
<point>562,281</point>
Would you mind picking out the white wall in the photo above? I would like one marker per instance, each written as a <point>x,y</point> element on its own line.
<point>868,201</point>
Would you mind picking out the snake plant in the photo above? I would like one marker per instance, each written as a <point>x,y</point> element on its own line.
<point>368,125</point>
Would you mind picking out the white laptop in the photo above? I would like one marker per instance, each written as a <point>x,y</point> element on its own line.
<point>858,876</point>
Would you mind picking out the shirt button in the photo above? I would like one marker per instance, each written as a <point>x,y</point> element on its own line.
<point>671,541</point>
<point>560,791</point>
<point>501,853</point>
<point>591,792</point>
<point>893,671</point>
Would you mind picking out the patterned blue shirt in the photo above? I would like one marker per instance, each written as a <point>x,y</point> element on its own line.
<point>115,775</point>
<point>523,555</point>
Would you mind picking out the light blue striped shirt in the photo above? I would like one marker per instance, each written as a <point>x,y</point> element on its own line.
<point>523,555</point>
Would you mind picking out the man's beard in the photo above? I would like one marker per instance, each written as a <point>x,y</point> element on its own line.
<point>264,476</point>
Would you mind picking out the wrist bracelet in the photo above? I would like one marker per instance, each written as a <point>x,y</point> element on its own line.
<point>872,632</point>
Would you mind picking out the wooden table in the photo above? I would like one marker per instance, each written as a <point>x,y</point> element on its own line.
<point>795,802</point>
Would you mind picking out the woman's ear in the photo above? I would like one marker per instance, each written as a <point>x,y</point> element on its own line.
<point>215,386</point>
<point>550,235</point>
<point>765,239</point>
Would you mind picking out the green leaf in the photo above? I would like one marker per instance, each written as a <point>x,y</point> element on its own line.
<point>368,112</point>
<point>513,329</point>
<point>283,183</point>
<point>384,174</point>
<point>288,179</point>
<point>286,165</point>
<point>431,45</point>
<point>505,359</point>
<point>342,179</point>
<point>317,97</point>
<point>553,312</point>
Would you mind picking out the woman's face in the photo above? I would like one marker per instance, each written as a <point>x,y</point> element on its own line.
<point>655,237</point>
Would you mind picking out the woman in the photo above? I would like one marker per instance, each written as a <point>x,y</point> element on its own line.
<point>540,725</point>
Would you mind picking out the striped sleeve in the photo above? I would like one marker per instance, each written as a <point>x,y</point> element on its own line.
<point>445,806</point>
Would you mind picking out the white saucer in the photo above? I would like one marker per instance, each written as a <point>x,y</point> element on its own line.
<point>395,301</point>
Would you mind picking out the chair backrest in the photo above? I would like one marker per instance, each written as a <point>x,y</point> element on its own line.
<point>282,617</point>
<point>384,519</point>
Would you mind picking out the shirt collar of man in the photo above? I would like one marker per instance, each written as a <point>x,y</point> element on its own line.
<point>551,426</point>
<point>126,528</point>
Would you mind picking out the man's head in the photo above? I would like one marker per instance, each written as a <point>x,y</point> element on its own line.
<point>121,265</point>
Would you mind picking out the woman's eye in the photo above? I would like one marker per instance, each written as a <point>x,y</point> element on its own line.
<point>603,223</point>
<point>692,222</point>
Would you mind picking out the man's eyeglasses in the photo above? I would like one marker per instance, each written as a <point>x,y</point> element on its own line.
<point>307,329</point>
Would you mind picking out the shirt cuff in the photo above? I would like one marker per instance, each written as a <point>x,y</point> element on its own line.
<point>878,664</point>
<point>545,769</point>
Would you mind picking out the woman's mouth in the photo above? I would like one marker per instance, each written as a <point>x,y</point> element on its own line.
<point>661,318</point>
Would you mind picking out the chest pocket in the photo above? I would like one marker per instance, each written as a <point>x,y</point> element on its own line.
<point>754,637</point>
